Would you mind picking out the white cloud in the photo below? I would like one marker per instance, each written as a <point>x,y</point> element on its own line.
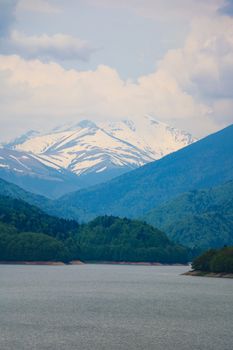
<point>53,92</point>
<point>204,66</point>
<point>58,46</point>
<point>191,87</point>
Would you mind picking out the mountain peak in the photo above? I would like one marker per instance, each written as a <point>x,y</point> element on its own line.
<point>21,139</point>
<point>130,124</point>
<point>203,164</point>
<point>86,124</point>
<point>100,151</point>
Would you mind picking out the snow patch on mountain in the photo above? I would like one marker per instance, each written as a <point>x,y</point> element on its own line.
<point>86,147</point>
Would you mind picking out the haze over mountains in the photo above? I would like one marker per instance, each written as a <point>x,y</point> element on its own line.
<point>76,156</point>
<point>175,194</point>
<point>203,164</point>
<point>11,190</point>
<point>27,171</point>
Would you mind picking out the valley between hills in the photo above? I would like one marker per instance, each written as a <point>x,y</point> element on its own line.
<point>167,211</point>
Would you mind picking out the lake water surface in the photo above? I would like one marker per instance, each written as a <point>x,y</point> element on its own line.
<point>112,307</point>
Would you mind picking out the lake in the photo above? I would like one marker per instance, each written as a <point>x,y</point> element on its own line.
<point>113,307</point>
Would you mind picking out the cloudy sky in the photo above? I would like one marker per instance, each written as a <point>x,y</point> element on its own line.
<point>67,60</point>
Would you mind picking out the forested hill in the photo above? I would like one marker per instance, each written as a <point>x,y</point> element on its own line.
<point>29,218</point>
<point>202,219</point>
<point>27,233</point>
<point>9,189</point>
<point>114,239</point>
<point>215,260</point>
<point>204,164</point>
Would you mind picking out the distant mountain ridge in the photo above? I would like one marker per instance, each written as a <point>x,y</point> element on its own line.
<point>28,172</point>
<point>84,154</point>
<point>89,147</point>
<point>203,164</point>
<point>11,190</point>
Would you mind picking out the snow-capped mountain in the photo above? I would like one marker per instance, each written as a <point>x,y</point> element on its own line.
<point>80,155</point>
<point>87,148</point>
<point>25,170</point>
<point>22,138</point>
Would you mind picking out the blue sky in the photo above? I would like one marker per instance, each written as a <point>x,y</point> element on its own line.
<point>119,37</point>
<point>106,59</point>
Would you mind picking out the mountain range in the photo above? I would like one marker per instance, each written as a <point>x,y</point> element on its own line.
<point>8,189</point>
<point>79,155</point>
<point>203,164</point>
<point>187,194</point>
<point>28,172</point>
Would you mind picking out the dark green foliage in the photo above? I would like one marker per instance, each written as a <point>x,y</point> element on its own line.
<point>220,260</point>
<point>32,247</point>
<point>202,262</point>
<point>223,261</point>
<point>7,229</point>
<point>6,233</point>
<point>199,219</point>
<point>206,163</point>
<point>46,238</point>
<point>105,238</point>
<point>110,238</point>
<point>28,218</point>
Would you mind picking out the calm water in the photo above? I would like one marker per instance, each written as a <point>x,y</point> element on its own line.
<point>104,307</point>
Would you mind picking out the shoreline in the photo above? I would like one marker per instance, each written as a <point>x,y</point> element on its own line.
<point>46,263</point>
<point>197,273</point>
<point>78,262</point>
<point>143,263</point>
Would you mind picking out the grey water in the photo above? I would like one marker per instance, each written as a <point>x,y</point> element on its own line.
<point>112,307</point>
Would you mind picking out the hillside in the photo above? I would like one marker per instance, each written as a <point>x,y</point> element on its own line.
<point>11,190</point>
<point>29,218</point>
<point>215,260</point>
<point>27,233</point>
<point>203,164</point>
<point>32,174</point>
<point>201,218</point>
<point>110,238</point>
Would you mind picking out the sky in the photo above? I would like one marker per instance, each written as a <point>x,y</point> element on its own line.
<point>68,60</point>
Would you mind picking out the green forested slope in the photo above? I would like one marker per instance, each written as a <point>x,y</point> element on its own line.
<point>215,260</point>
<point>199,218</point>
<point>27,233</point>
<point>11,190</point>
<point>115,239</point>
